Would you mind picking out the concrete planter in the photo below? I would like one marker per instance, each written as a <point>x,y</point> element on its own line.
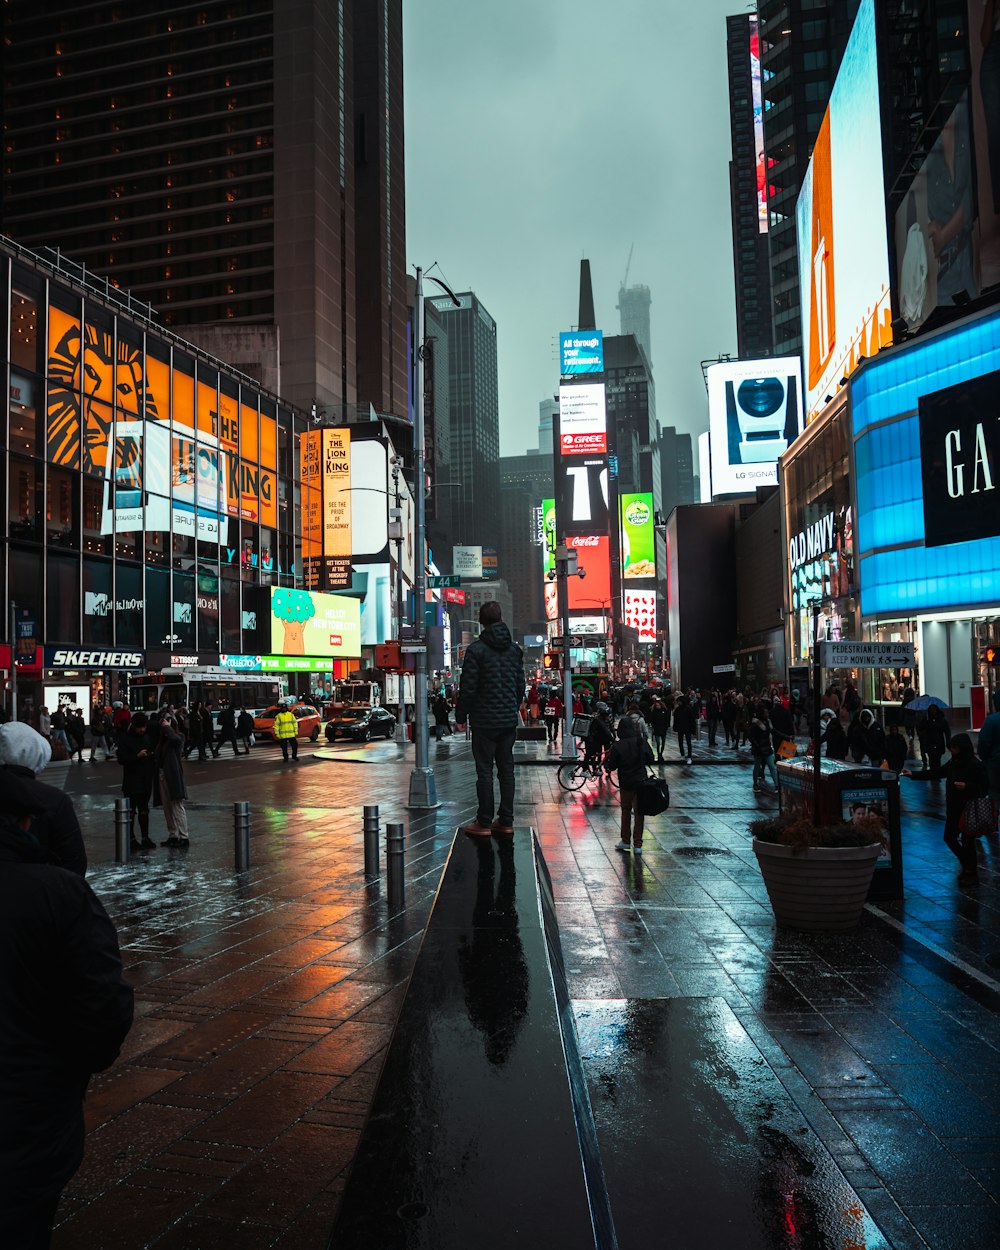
<point>820,889</point>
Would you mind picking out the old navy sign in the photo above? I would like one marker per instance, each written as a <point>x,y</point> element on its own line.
<point>811,543</point>
<point>67,657</point>
<point>960,461</point>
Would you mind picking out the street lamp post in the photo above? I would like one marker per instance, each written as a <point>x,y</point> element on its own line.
<point>423,788</point>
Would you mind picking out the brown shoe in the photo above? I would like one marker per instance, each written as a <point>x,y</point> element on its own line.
<point>499,827</point>
<point>477,830</point>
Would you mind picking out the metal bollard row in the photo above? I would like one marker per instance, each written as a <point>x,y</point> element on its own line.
<point>241,835</point>
<point>371,830</point>
<point>394,866</point>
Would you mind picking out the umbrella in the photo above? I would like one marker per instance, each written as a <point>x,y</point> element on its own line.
<point>923,702</point>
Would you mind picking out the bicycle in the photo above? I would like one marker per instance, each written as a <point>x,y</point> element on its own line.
<point>575,774</point>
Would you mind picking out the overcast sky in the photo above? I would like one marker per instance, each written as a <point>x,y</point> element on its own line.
<point>542,131</point>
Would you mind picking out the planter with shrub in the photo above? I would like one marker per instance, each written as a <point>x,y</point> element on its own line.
<point>817,876</point>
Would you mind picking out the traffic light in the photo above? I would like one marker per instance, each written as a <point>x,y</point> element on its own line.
<point>991,655</point>
<point>550,660</point>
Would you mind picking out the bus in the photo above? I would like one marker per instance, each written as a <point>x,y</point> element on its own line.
<point>184,687</point>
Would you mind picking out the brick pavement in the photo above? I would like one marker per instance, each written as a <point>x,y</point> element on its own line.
<point>264,1002</point>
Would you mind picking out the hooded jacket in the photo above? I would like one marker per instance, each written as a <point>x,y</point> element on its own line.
<point>988,745</point>
<point>492,685</point>
<point>25,753</point>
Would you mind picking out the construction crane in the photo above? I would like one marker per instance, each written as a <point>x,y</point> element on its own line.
<point>628,266</point>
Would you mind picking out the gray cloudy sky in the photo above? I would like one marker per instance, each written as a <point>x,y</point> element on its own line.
<point>541,131</point>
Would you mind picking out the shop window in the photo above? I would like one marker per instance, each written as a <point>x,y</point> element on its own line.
<point>61,508</point>
<point>129,605</point>
<point>183,618</point>
<point>157,602</point>
<point>25,342</point>
<point>25,392</point>
<point>25,494</point>
<point>231,640</point>
<point>97,519</point>
<point>63,599</point>
<point>98,604</point>
<point>208,608</point>
<point>25,583</point>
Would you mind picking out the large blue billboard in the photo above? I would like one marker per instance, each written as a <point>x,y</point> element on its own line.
<point>919,423</point>
<point>581,351</point>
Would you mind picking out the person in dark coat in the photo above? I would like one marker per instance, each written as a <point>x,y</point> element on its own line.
<point>728,716</point>
<point>244,728</point>
<point>762,747</point>
<point>872,737</point>
<point>25,753</point>
<point>76,731</point>
<point>713,713</point>
<point>135,754</point>
<point>169,791</point>
<point>896,748</point>
<point>442,716</point>
<point>934,736</point>
<point>489,697</point>
<point>629,756</point>
<point>965,779</point>
<point>782,723</point>
<point>832,735</point>
<point>65,1010</point>
<point>195,733</point>
<point>227,731</point>
<point>659,723</point>
<point>684,726</point>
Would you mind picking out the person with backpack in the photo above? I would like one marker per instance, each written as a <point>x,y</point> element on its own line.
<point>244,728</point>
<point>629,757</point>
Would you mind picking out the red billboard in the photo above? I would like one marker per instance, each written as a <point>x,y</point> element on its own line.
<point>590,593</point>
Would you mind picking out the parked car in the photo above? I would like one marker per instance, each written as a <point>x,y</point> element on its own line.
<point>361,724</point>
<point>308,721</point>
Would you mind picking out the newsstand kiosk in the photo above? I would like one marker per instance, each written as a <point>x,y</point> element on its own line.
<point>849,792</point>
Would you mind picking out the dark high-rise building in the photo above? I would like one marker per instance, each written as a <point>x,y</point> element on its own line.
<point>469,517</point>
<point>237,163</point>
<point>801,43</point>
<point>746,186</point>
<point>677,475</point>
<point>632,427</point>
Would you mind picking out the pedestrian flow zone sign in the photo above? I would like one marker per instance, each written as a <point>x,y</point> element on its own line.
<point>866,654</point>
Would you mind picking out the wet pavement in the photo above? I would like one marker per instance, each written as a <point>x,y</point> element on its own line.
<point>265,1001</point>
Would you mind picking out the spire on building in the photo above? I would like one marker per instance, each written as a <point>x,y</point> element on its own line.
<point>586,320</point>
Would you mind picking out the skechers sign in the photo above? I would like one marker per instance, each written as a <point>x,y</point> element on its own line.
<point>62,657</point>
<point>960,461</point>
<point>581,352</point>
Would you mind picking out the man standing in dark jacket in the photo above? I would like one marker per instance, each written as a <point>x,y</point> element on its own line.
<point>135,754</point>
<point>56,829</point>
<point>489,696</point>
<point>65,1010</point>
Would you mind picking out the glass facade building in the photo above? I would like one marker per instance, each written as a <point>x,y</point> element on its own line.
<point>152,495</point>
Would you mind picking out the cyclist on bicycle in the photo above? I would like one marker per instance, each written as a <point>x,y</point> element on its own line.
<point>600,736</point>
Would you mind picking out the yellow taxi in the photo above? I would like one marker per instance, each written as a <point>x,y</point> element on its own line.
<point>307,721</point>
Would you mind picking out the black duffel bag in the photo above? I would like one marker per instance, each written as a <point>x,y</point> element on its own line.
<point>654,796</point>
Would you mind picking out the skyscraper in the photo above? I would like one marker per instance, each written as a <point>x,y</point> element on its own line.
<point>633,310</point>
<point>237,163</point>
<point>473,421</point>
<point>747,189</point>
<point>676,469</point>
<point>801,43</point>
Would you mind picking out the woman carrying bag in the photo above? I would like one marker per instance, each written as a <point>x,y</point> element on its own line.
<point>630,755</point>
<point>965,786</point>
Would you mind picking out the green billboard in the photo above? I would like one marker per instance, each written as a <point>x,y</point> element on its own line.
<point>549,533</point>
<point>638,538</point>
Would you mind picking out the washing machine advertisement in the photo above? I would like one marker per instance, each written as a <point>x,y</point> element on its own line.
<point>755,414</point>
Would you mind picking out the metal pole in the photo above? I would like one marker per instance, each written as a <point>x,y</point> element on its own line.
<point>817,688</point>
<point>13,663</point>
<point>568,742</point>
<point>371,840</point>
<point>241,835</point>
<point>423,789</point>
<point>394,867</point>
<point>123,830</point>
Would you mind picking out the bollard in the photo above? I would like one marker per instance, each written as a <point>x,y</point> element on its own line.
<point>371,841</point>
<point>123,830</point>
<point>241,832</point>
<point>396,886</point>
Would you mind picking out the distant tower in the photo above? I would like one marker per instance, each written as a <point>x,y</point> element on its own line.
<point>633,308</point>
<point>547,409</point>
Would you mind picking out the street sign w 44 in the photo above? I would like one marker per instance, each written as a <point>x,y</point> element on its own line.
<point>440,582</point>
